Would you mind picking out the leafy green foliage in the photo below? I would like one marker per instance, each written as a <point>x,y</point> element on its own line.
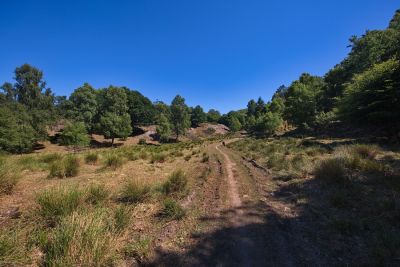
<point>74,134</point>
<point>115,120</point>
<point>84,105</point>
<point>180,117</point>
<point>267,124</point>
<point>16,132</point>
<point>213,116</point>
<point>115,125</point>
<point>302,100</point>
<point>140,108</point>
<point>198,116</point>
<point>164,128</point>
<point>374,93</point>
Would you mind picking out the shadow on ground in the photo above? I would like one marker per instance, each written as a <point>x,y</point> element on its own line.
<point>312,224</point>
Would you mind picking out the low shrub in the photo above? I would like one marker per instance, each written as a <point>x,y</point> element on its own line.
<point>172,210</point>
<point>81,239</point>
<point>56,203</point>
<point>134,191</point>
<point>91,158</point>
<point>96,194</point>
<point>187,157</point>
<point>175,183</point>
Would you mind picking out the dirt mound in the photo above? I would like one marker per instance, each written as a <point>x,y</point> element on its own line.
<point>207,130</point>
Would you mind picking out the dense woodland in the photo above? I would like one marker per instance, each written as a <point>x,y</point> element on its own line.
<point>362,91</point>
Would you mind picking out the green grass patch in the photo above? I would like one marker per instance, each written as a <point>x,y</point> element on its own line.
<point>172,210</point>
<point>58,202</point>
<point>134,191</point>
<point>176,183</point>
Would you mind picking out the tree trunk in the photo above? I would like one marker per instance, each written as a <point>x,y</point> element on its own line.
<point>112,141</point>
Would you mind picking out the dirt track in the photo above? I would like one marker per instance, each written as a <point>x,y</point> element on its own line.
<point>246,225</point>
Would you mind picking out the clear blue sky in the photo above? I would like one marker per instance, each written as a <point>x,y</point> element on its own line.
<point>216,53</point>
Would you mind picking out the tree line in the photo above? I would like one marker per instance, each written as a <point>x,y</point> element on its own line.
<point>362,90</point>
<point>28,107</point>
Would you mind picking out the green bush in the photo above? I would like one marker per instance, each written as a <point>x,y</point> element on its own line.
<point>175,183</point>
<point>134,191</point>
<point>172,210</point>
<point>114,161</point>
<point>74,134</point>
<point>56,203</point>
<point>81,239</point>
<point>91,158</point>
<point>17,134</point>
<point>96,194</point>
<point>331,170</point>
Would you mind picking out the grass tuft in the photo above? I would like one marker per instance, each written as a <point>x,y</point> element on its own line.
<point>96,194</point>
<point>58,202</point>
<point>67,167</point>
<point>176,182</point>
<point>121,218</point>
<point>91,158</point>
<point>9,176</point>
<point>114,161</point>
<point>134,191</point>
<point>172,210</point>
<point>158,157</point>
<point>81,239</point>
<point>331,170</point>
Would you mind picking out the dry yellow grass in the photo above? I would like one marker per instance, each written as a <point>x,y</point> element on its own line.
<point>143,224</point>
